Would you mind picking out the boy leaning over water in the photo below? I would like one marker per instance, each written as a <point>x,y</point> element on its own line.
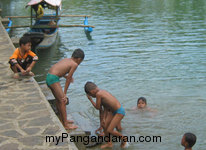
<point>23,59</point>
<point>64,68</point>
<point>106,103</point>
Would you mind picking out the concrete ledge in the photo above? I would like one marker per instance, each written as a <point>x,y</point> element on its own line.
<point>26,117</point>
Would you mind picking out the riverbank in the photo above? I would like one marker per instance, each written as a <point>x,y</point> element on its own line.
<point>26,117</point>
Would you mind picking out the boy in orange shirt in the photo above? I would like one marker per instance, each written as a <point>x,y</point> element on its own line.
<point>23,59</point>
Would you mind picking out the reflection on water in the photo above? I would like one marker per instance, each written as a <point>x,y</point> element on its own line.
<point>154,49</point>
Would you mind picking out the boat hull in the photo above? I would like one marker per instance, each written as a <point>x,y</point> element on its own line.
<point>49,33</point>
<point>48,41</point>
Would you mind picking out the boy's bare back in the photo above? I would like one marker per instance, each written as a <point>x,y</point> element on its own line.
<point>63,67</point>
<point>108,100</point>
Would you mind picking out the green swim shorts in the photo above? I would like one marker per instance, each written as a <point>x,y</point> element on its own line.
<point>51,79</point>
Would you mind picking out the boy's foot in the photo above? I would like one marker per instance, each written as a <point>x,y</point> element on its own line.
<point>108,145</point>
<point>124,145</point>
<point>16,76</point>
<point>98,130</point>
<point>100,133</point>
<point>70,127</point>
<point>70,121</point>
<point>31,73</point>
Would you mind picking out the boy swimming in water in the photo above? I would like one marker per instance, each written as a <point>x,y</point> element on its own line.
<point>64,68</point>
<point>188,141</point>
<point>142,105</point>
<point>106,103</point>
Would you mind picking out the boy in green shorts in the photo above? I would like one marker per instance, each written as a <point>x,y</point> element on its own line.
<point>64,68</point>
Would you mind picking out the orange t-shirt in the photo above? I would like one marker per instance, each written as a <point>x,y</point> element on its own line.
<point>16,55</point>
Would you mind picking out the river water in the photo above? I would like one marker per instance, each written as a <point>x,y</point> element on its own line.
<point>152,48</point>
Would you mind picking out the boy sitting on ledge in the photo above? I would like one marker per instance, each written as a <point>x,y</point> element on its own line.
<point>23,59</point>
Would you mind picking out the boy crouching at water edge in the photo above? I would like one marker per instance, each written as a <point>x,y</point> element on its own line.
<point>106,103</point>
<point>23,59</point>
<point>60,69</point>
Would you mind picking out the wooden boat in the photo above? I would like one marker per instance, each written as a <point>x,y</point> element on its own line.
<point>44,26</point>
<point>43,32</point>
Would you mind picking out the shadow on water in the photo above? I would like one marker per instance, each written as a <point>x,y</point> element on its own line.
<point>88,35</point>
<point>47,57</point>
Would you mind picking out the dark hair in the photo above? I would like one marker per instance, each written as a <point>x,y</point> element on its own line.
<point>78,53</point>
<point>89,86</point>
<point>190,138</point>
<point>24,40</point>
<point>143,99</point>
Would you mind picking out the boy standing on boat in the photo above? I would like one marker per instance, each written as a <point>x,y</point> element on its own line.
<point>23,59</point>
<point>64,68</point>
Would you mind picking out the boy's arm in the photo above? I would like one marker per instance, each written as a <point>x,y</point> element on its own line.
<point>101,115</point>
<point>91,100</point>
<point>98,102</point>
<point>102,119</point>
<point>104,116</point>
<point>20,68</point>
<point>97,105</point>
<point>28,69</point>
<point>69,78</point>
<point>14,62</point>
<point>35,58</point>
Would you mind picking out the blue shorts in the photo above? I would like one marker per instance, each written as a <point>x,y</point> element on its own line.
<point>120,111</point>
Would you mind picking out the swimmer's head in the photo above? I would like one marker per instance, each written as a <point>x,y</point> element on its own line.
<point>188,140</point>
<point>141,103</point>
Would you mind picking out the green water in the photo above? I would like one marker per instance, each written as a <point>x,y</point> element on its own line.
<point>150,48</point>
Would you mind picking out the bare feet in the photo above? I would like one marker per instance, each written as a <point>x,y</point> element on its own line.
<point>70,127</point>
<point>31,73</point>
<point>124,145</point>
<point>99,131</point>
<point>101,134</point>
<point>28,73</point>
<point>70,121</point>
<point>108,145</point>
<point>16,76</point>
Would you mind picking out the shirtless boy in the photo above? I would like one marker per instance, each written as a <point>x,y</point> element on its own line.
<point>64,68</point>
<point>106,103</point>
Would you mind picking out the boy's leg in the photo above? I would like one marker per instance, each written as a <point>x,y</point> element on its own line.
<point>110,130</point>
<point>14,69</point>
<point>108,121</point>
<point>29,73</point>
<point>61,106</point>
<point>119,127</point>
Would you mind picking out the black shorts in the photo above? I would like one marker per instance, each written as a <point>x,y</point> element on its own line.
<point>23,63</point>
